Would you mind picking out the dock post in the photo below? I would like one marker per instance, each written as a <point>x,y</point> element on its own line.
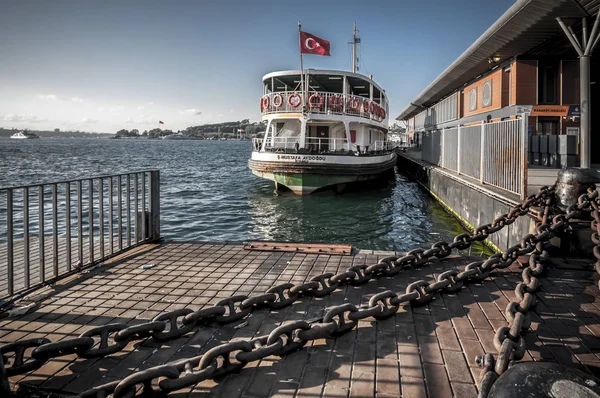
<point>154,204</point>
<point>573,182</point>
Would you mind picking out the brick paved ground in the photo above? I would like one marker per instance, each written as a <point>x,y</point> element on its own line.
<point>420,352</point>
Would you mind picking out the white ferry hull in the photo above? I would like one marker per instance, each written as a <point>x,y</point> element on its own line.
<point>305,173</point>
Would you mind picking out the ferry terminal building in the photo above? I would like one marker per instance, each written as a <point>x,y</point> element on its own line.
<point>526,62</point>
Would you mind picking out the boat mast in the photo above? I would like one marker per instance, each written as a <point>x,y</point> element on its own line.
<point>355,41</point>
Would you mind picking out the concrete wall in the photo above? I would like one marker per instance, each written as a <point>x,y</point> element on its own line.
<point>472,205</point>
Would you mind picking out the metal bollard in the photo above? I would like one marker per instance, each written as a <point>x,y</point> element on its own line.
<point>539,379</point>
<point>573,182</point>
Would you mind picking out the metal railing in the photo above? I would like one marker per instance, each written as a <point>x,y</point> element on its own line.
<point>54,229</point>
<point>494,153</point>
<point>313,144</point>
<point>322,102</point>
<point>384,145</point>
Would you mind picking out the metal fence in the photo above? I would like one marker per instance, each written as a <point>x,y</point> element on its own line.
<point>450,145</point>
<point>54,229</point>
<point>503,154</point>
<point>431,144</point>
<point>469,160</point>
<point>493,153</point>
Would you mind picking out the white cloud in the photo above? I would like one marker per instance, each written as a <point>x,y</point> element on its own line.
<point>196,112</point>
<point>76,99</point>
<point>101,109</point>
<point>12,117</point>
<point>46,97</point>
<point>231,110</point>
<point>220,115</point>
<point>117,108</point>
<point>87,120</point>
<point>150,103</point>
<point>140,108</point>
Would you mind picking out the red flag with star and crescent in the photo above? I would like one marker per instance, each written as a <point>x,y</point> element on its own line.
<point>311,44</point>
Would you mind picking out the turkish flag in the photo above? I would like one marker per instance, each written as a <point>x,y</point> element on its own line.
<point>311,44</point>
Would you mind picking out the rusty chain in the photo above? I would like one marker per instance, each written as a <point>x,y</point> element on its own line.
<point>508,340</point>
<point>595,226</point>
<point>96,342</point>
<point>220,361</point>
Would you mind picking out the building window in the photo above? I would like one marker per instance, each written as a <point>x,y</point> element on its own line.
<point>473,99</point>
<point>486,94</point>
<point>548,82</point>
<point>547,125</point>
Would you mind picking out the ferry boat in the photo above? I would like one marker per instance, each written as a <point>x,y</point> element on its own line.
<point>330,134</point>
<point>24,135</point>
<point>325,128</point>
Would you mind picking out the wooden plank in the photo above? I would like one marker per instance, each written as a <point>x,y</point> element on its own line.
<point>309,248</point>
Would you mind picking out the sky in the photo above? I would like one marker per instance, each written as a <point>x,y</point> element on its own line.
<point>101,66</point>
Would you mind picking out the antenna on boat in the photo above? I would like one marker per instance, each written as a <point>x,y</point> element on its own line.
<point>301,68</point>
<point>355,41</point>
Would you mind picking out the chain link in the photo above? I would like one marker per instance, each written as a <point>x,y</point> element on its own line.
<point>109,339</point>
<point>508,339</point>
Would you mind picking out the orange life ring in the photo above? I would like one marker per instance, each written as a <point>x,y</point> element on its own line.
<point>353,104</point>
<point>373,108</point>
<point>312,104</point>
<point>382,113</point>
<point>294,104</point>
<point>335,102</point>
<point>277,100</point>
<point>266,102</point>
<point>365,106</point>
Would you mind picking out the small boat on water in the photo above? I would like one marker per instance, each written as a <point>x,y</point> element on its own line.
<point>178,136</point>
<point>325,128</point>
<point>24,135</point>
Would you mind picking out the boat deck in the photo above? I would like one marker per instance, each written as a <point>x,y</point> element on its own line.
<point>426,351</point>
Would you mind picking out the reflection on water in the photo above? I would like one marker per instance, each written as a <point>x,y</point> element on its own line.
<point>209,194</point>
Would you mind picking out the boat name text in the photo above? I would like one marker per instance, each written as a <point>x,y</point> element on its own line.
<point>302,158</point>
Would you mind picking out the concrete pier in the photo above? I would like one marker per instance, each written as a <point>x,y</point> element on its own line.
<point>419,352</point>
<point>474,203</point>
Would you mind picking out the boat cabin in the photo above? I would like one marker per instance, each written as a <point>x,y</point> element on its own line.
<point>320,111</point>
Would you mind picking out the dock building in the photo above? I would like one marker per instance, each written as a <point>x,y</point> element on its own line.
<point>525,63</point>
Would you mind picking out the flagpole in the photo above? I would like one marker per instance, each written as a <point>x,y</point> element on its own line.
<point>301,68</point>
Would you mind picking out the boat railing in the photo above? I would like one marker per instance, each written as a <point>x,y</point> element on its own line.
<point>58,228</point>
<point>323,103</point>
<point>384,145</point>
<point>293,144</point>
<point>327,144</point>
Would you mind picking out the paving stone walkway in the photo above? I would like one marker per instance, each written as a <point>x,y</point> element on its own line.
<point>424,351</point>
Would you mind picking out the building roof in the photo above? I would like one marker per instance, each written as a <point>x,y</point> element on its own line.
<point>523,27</point>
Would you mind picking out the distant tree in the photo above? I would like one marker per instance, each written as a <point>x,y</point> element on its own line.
<point>134,132</point>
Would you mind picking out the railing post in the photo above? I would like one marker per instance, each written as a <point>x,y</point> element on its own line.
<point>458,136</point>
<point>41,234</point>
<point>9,233</point>
<point>91,220</point>
<point>443,148</point>
<point>68,223</point>
<point>26,256</point>
<point>55,229</point>
<point>155,204</point>
<point>482,160</point>
<point>524,153</point>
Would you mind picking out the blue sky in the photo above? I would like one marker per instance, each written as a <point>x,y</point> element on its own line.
<point>105,65</point>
